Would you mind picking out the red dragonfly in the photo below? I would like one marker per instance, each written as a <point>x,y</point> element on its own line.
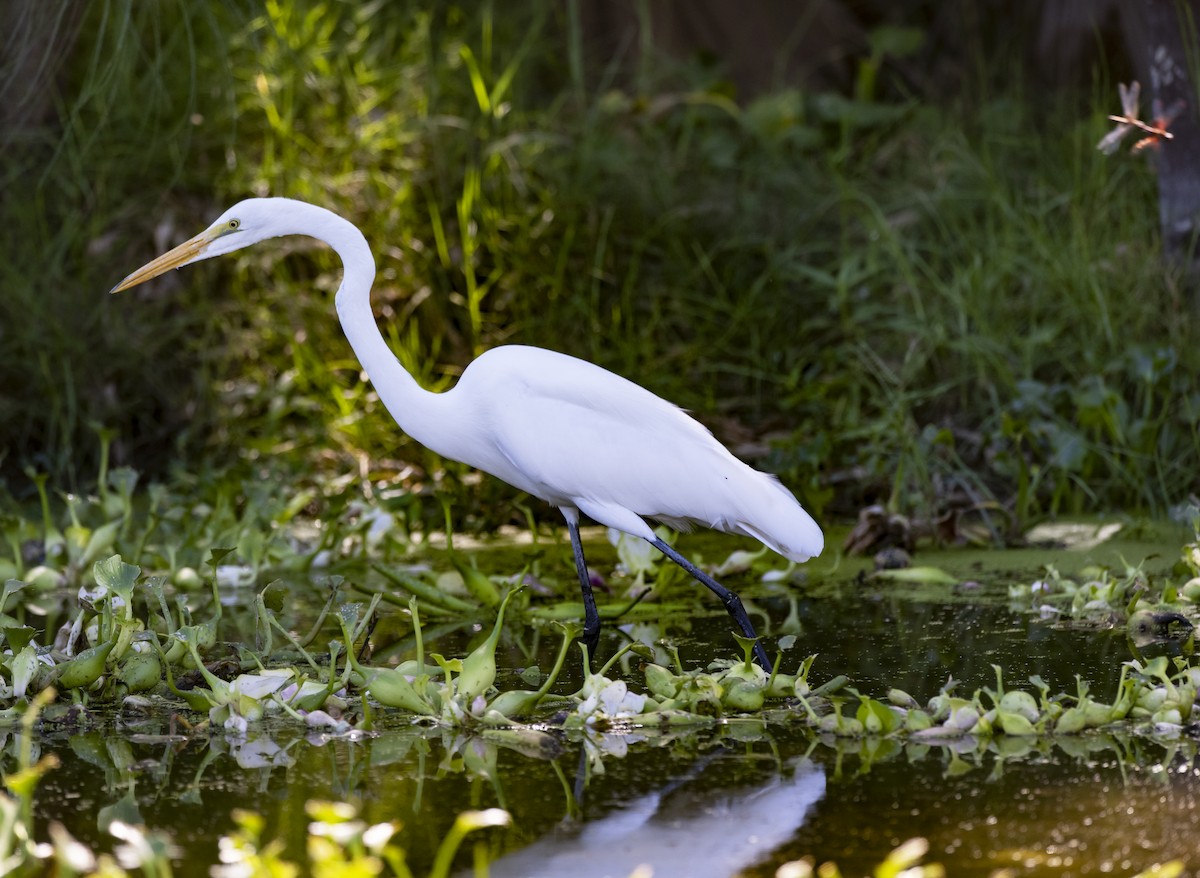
<point>1156,131</point>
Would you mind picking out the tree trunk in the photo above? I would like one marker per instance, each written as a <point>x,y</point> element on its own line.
<point>1163,40</point>
<point>36,38</point>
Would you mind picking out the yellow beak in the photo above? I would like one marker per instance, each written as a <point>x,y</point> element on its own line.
<point>182,254</point>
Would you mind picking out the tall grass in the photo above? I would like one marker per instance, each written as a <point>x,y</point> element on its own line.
<point>124,133</point>
<point>910,303</point>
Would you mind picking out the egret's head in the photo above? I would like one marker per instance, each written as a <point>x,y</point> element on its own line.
<point>246,223</point>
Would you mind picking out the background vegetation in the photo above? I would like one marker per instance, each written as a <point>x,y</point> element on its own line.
<point>922,296</point>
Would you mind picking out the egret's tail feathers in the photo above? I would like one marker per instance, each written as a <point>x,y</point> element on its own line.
<point>783,525</point>
<point>800,545</point>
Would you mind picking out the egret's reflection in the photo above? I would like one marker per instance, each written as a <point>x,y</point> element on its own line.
<point>678,830</point>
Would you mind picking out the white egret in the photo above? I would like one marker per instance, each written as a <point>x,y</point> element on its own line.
<point>562,429</point>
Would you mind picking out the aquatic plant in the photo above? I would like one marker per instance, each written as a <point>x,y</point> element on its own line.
<point>1148,610</point>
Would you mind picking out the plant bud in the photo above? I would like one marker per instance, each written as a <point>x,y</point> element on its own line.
<point>140,672</point>
<point>24,666</point>
<point>479,668</point>
<point>392,689</point>
<point>1021,703</point>
<point>661,681</point>
<point>744,695</point>
<point>86,668</point>
<point>515,702</point>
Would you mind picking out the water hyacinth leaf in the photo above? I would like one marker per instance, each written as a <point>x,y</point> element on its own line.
<point>43,578</point>
<point>739,561</point>
<point>218,554</point>
<point>877,718</point>
<point>24,782</point>
<point>140,671</point>
<point>514,702</point>
<point>202,637</point>
<point>479,668</point>
<point>123,479</point>
<point>903,858</point>
<point>476,582</point>
<point>11,587</point>
<point>747,669</point>
<point>156,586</point>
<point>637,556</point>
<point>463,824</point>
<point>197,699</point>
<point>449,667</point>
<point>124,811</point>
<point>744,694</point>
<point>100,541</point>
<point>118,577</point>
<point>531,675</point>
<point>429,594</point>
<point>17,637</point>
<point>23,666</point>
<point>1015,724</point>
<point>1071,721</point>
<point>917,575</point>
<point>349,614</point>
<point>393,689</point>
<point>86,668</point>
<point>781,685</point>
<point>900,698</point>
<point>1022,703</point>
<point>661,682</point>
<point>90,748</point>
<point>508,704</point>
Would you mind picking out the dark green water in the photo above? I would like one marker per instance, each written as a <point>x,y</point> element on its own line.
<point>737,799</point>
<point>1100,805</point>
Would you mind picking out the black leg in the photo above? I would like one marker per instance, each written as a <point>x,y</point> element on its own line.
<point>591,618</point>
<point>733,604</point>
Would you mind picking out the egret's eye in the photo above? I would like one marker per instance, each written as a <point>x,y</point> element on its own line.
<point>233,224</point>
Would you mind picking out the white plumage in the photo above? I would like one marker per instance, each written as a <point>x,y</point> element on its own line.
<point>576,435</point>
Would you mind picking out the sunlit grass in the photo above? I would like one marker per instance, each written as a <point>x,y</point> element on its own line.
<point>880,301</point>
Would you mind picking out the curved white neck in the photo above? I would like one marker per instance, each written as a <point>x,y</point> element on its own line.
<point>415,409</point>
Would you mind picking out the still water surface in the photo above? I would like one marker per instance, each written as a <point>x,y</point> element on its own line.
<point>735,799</point>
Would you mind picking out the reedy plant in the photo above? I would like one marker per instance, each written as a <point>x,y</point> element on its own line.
<point>936,298</point>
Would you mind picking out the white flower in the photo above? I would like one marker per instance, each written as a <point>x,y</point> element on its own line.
<point>610,700</point>
<point>381,524</point>
<point>597,745</point>
<point>292,691</point>
<point>738,562</point>
<point>235,576</point>
<point>637,556</point>
<point>320,719</point>
<point>241,702</point>
<point>260,752</point>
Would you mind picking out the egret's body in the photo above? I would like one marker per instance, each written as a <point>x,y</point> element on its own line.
<point>578,436</point>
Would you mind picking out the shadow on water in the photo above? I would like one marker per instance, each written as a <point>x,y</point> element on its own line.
<point>738,798</point>
<point>721,802</point>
